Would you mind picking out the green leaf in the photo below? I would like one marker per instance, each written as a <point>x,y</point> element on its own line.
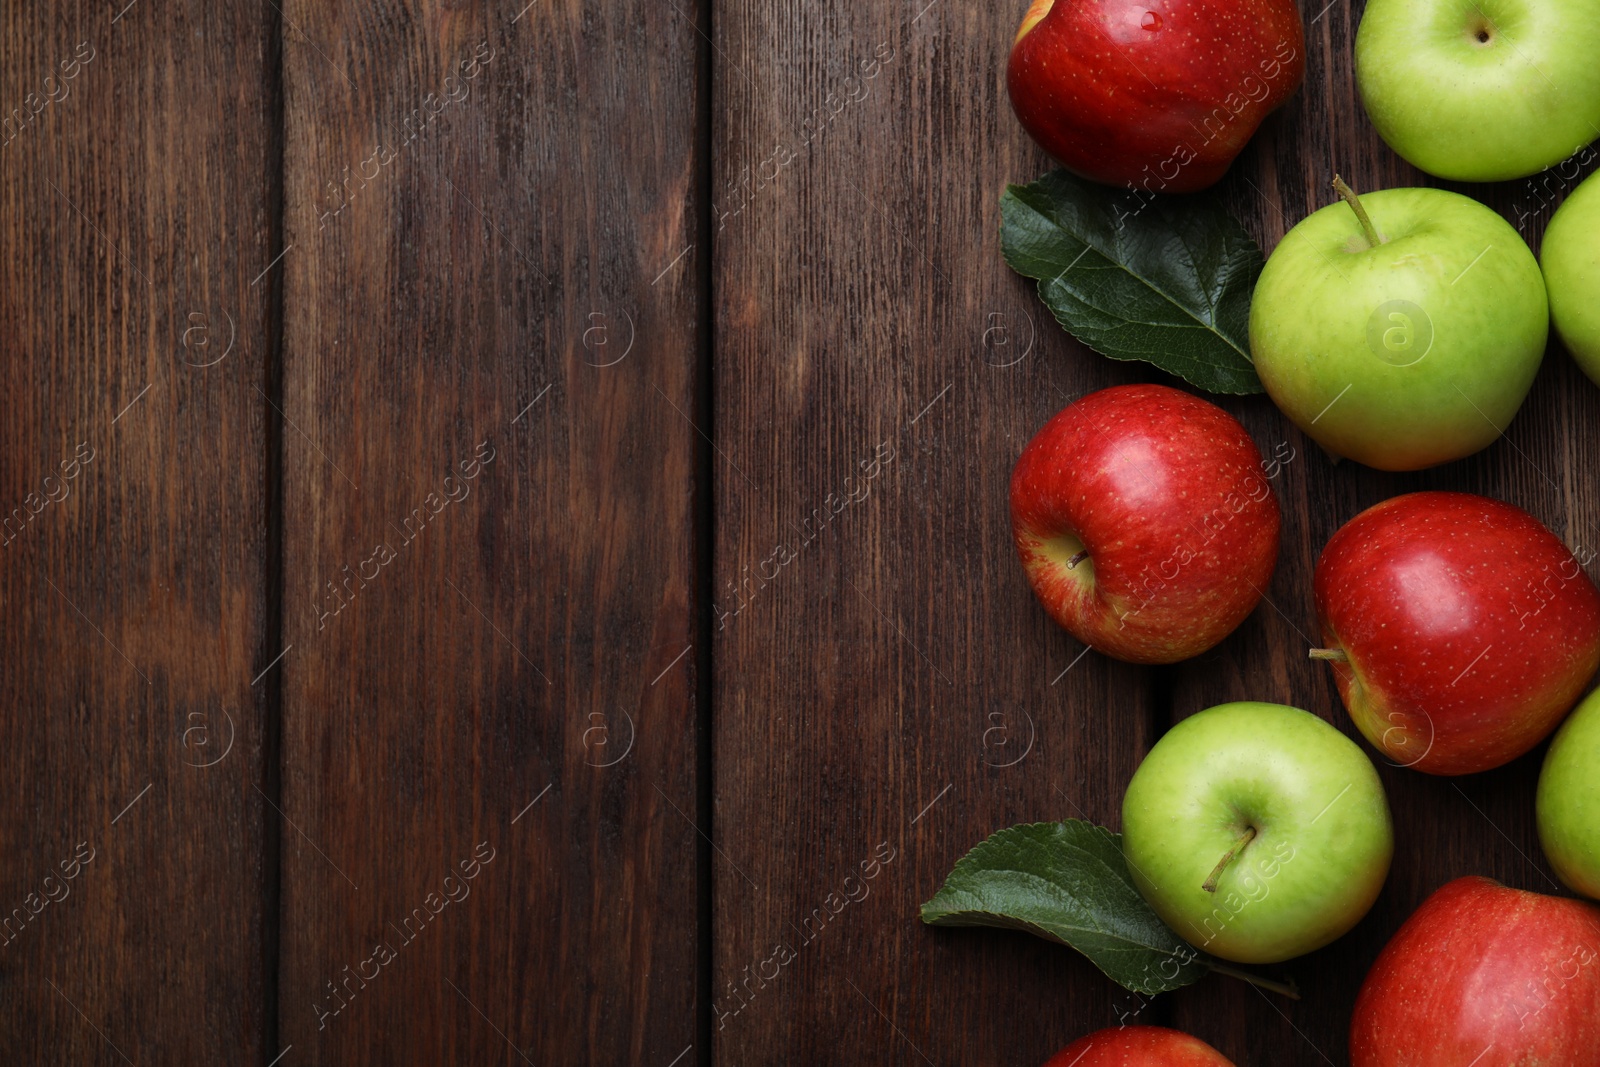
<point>1138,276</point>
<point>1067,881</point>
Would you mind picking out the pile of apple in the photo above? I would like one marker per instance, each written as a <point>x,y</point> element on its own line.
<point>1401,329</point>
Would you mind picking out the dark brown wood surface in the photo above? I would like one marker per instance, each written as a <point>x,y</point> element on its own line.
<point>542,589</point>
<point>489,371</point>
<point>877,370</point>
<point>136,562</point>
<point>858,284</point>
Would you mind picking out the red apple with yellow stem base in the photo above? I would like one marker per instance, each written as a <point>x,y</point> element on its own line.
<point>1460,630</point>
<point>1153,96</point>
<point>1146,522</point>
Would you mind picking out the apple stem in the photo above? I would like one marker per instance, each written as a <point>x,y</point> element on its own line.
<point>1284,988</point>
<point>1332,655</point>
<point>1349,196</point>
<point>1210,885</point>
<point>1079,558</point>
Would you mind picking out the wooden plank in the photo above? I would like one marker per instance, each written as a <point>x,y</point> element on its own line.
<point>489,371</point>
<point>138,183</point>
<point>855,266</point>
<point>879,657</point>
<point>1483,824</point>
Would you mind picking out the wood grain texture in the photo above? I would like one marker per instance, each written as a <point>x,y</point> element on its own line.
<point>879,657</point>
<point>385,410</point>
<point>855,278</point>
<point>137,176</point>
<point>489,321</point>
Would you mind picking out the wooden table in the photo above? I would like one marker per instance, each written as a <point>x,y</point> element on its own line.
<point>506,556</point>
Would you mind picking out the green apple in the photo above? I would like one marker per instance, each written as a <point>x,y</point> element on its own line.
<point>1481,90</point>
<point>1258,832</point>
<point>1402,329</point>
<point>1568,802</point>
<point>1571,260</point>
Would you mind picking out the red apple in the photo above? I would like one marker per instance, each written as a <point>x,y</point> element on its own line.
<point>1158,95</point>
<point>1460,630</point>
<point>1145,521</point>
<point>1139,1046</point>
<point>1485,976</point>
